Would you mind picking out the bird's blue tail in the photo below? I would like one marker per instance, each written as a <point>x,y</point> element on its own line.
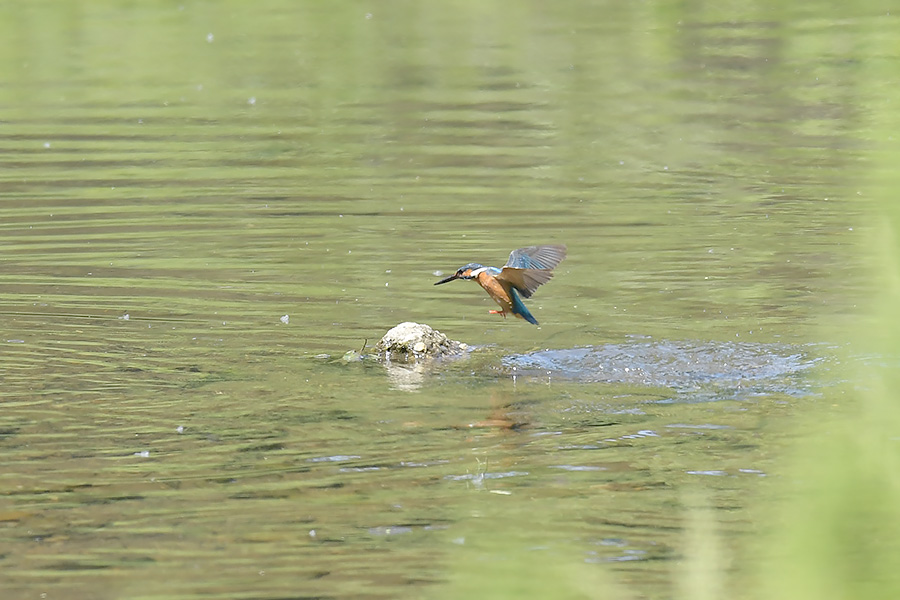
<point>518,307</point>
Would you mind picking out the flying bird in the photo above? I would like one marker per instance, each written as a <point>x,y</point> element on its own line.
<point>526,269</point>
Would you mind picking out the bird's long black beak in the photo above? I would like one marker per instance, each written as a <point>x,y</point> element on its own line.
<point>446,279</point>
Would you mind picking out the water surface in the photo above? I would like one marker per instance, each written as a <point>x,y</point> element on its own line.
<point>176,179</point>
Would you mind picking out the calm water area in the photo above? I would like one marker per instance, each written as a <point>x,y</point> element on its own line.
<point>205,205</point>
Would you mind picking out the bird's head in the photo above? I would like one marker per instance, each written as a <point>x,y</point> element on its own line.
<point>465,272</point>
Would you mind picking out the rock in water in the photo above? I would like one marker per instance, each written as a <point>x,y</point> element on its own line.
<point>412,341</point>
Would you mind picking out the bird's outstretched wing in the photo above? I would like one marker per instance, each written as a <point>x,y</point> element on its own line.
<point>536,257</point>
<point>528,268</point>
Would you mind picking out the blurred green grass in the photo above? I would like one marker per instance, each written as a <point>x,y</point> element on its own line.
<point>837,533</point>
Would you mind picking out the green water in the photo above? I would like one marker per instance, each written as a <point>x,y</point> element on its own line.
<point>176,178</point>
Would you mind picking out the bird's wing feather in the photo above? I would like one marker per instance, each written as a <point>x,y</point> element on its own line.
<point>526,281</point>
<point>536,257</point>
<point>530,267</point>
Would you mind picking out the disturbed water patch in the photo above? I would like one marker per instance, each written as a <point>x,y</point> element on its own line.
<point>692,371</point>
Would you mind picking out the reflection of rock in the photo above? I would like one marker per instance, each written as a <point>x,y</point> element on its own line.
<point>406,377</point>
<point>414,341</point>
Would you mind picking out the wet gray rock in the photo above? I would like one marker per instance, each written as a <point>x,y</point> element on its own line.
<point>415,341</point>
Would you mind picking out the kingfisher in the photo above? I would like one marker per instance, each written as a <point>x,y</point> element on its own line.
<point>526,269</point>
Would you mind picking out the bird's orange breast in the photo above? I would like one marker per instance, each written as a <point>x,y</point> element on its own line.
<point>495,290</point>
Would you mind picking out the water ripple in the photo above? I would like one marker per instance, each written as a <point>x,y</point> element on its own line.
<point>703,370</point>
